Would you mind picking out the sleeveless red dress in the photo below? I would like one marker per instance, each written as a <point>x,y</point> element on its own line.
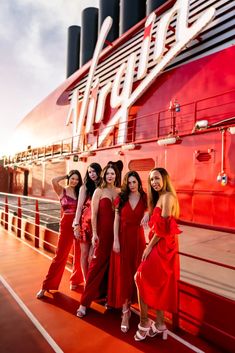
<point>123,266</point>
<point>157,276</point>
<point>97,276</point>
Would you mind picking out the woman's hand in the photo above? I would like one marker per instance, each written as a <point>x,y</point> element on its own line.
<point>145,220</point>
<point>95,240</point>
<point>146,252</point>
<point>116,247</point>
<point>76,232</point>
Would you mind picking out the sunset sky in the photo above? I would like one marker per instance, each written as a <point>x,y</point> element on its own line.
<point>33,46</point>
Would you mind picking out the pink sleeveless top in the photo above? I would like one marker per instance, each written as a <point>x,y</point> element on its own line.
<point>68,203</point>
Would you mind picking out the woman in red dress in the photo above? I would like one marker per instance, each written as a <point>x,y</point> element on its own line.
<point>68,198</point>
<point>82,220</point>
<point>129,244</point>
<point>102,211</point>
<point>158,274</point>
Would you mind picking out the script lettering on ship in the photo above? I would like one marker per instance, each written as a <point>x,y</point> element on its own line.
<point>123,96</point>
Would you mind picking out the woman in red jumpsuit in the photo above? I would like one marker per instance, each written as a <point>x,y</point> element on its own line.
<point>102,211</point>
<point>129,244</point>
<point>68,198</point>
<point>158,274</point>
<point>82,220</point>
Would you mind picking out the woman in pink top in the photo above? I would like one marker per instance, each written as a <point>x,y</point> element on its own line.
<point>68,198</point>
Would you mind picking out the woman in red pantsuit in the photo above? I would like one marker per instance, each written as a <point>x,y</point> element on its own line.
<point>158,274</point>
<point>68,198</point>
<point>82,220</point>
<point>129,244</point>
<point>102,211</point>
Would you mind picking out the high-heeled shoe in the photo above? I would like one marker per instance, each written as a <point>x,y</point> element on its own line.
<point>41,294</point>
<point>126,314</point>
<point>156,330</point>
<point>81,312</point>
<point>141,333</point>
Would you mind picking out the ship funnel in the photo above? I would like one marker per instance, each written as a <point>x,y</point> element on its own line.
<point>73,50</point>
<point>152,5</point>
<point>110,8</point>
<point>89,32</point>
<point>131,12</point>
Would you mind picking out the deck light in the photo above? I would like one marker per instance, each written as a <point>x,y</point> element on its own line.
<point>130,146</point>
<point>232,130</point>
<point>169,141</point>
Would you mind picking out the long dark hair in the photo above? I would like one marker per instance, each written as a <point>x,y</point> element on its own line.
<point>125,191</point>
<point>90,184</point>
<point>79,184</point>
<point>104,172</point>
<point>153,196</point>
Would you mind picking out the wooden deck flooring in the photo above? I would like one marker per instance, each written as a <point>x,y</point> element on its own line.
<point>22,270</point>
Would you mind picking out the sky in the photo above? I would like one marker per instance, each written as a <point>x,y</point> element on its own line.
<point>33,50</point>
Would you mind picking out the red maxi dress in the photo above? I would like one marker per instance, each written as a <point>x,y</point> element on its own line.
<point>65,242</point>
<point>96,283</point>
<point>157,276</point>
<point>123,266</point>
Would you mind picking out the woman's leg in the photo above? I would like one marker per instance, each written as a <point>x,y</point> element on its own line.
<point>126,314</point>
<point>144,321</point>
<point>85,248</point>
<point>160,318</point>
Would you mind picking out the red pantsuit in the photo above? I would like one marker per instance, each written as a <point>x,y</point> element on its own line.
<point>96,283</point>
<point>65,242</point>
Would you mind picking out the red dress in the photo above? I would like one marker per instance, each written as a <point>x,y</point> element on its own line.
<point>65,242</point>
<point>85,233</point>
<point>96,283</point>
<point>157,276</point>
<point>132,244</point>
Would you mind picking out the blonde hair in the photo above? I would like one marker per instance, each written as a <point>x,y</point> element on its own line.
<point>153,196</point>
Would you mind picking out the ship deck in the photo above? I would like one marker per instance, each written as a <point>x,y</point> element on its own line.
<point>31,325</point>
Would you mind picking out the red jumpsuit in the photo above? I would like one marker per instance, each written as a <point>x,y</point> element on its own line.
<point>65,242</point>
<point>157,276</point>
<point>96,284</point>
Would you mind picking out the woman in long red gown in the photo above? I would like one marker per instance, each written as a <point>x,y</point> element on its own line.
<point>128,247</point>
<point>158,274</point>
<point>82,220</point>
<point>68,199</point>
<point>102,218</point>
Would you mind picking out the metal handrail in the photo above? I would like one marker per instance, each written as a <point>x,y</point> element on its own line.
<point>167,122</point>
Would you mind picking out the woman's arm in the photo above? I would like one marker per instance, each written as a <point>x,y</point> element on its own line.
<point>155,239</point>
<point>56,186</point>
<point>116,244</point>
<point>94,211</point>
<point>81,200</point>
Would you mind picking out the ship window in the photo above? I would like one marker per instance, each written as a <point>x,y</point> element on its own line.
<point>145,164</point>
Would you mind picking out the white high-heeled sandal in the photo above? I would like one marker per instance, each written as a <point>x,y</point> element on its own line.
<point>156,330</point>
<point>139,336</point>
<point>41,293</point>
<point>125,328</point>
<point>81,312</point>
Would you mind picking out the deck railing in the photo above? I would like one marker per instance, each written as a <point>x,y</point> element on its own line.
<point>177,121</point>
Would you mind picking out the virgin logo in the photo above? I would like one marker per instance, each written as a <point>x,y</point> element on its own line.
<point>122,98</point>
